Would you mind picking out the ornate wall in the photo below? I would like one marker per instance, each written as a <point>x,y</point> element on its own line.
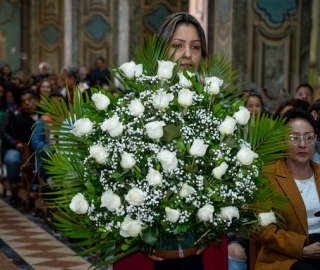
<point>10,34</point>
<point>272,46</point>
<point>268,41</point>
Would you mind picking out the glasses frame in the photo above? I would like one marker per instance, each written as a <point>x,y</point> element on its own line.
<point>302,137</point>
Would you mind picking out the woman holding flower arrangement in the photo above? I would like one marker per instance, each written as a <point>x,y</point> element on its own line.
<point>187,41</point>
<point>297,244</point>
<point>170,166</point>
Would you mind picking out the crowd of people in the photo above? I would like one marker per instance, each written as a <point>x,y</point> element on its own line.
<point>19,112</point>
<point>295,246</point>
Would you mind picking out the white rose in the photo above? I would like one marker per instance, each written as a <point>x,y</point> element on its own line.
<point>113,126</point>
<point>135,196</point>
<point>155,129</point>
<point>161,100</point>
<point>213,85</point>
<point>205,212</point>
<point>267,218</point>
<point>165,69</point>
<point>220,170</point>
<point>184,81</point>
<point>99,153</point>
<point>154,177</point>
<point>79,204</point>
<point>168,160</point>
<point>101,101</point>
<point>172,214</point>
<point>131,70</point>
<point>228,125</point>
<point>198,148</point>
<point>229,212</point>
<point>110,200</point>
<point>127,160</point>
<point>82,127</point>
<point>136,108</point>
<point>186,190</point>
<point>130,227</point>
<point>242,116</point>
<point>245,156</point>
<point>185,97</point>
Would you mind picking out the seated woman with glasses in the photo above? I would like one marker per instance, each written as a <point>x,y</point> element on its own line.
<point>296,245</point>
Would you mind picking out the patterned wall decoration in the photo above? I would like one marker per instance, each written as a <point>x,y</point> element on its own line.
<point>49,34</point>
<point>153,12</point>
<point>274,40</point>
<point>10,34</point>
<point>97,32</point>
<point>223,21</point>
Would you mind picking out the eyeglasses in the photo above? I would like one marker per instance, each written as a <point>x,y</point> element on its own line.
<point>304,95</point>
<point>296,139</point>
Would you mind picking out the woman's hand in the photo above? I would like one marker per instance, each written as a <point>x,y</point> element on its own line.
<point>199,251</point>
<point>312,251</point>
<point>155,258</point>
<point>160,259</point>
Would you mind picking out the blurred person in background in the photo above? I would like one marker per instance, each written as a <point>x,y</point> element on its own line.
<point>305,92</point>
<point>100,75</point>
<point>69,76</point>
<point>289,104</point>
<point>5,73</point>
<point>43,72</point>
<point>314,110</point>
<point>44,89</point>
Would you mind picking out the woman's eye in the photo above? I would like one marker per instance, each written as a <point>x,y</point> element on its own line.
<point>176,46</point>
<point>196,47</point>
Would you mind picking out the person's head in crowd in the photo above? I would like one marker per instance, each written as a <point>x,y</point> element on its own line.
<point>186,39</point>
<point>253,102</point>
<point>69,76</point>
<point>5,72</point>
<point>289,104</point>
<point>27,100</point>
<point>302,123</point>
<point>304,92</point>
<point>100,63</point>
<point>17,81</point>
<point>44,68</point>
<point>3,99</point>
<point>314,108</point>
<point>44,89</point>
<point>31,80</point>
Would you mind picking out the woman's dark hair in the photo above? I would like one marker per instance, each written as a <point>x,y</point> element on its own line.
<point>168,26</point>
<point>1,70</point>
<point>248,95</point>
<point>297,113</point>
<point>295,103</point>
<point>315,106</point>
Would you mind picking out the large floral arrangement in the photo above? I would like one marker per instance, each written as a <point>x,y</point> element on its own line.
<point>176,155</point>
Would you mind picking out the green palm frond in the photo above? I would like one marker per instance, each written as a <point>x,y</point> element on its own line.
<point>267,137</point>
<point>151,53</point>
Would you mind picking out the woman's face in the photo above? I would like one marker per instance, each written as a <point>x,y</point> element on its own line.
<point>45,88</point>
<point>186,43</point>
<point>254,105</point>
<point>303,151</point>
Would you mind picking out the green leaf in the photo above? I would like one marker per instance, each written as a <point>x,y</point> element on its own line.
<point>171,132</point>
<point>150,235</point>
